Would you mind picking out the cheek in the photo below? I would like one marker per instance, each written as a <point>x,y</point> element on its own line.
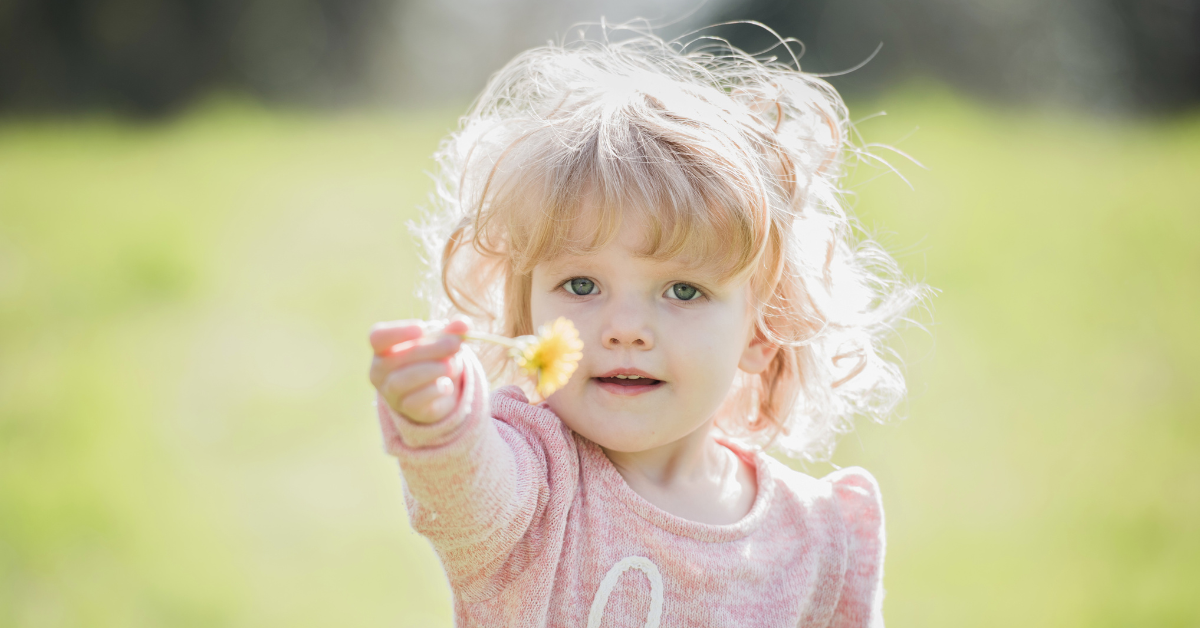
<point>544,308</point>
<point>709,348</point>
<point>537,301</point>
<point>537,311</point>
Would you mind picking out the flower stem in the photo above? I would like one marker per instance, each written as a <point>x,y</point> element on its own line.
<point>482,336</point>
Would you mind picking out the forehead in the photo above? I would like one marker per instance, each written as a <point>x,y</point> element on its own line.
<point>695,194</point>
<point>634,246</point>
<point>701,237</point>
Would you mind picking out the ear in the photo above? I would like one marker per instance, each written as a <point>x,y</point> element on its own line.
<point>757,355</point>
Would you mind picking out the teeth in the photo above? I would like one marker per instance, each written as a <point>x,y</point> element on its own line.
<point>628,376</point>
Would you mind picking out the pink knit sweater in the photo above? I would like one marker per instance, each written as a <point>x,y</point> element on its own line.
<point>535,527</point>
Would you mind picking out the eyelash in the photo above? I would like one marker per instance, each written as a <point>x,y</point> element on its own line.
<point>699,293</point>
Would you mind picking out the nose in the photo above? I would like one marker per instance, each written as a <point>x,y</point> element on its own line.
<point>629,325</point>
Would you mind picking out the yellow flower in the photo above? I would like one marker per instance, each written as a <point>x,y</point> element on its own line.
<point>551,356</point>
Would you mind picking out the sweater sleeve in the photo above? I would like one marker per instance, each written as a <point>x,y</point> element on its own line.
<point>472,486</point>
<point>861,601</point>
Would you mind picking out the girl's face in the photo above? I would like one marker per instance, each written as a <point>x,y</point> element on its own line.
<point>662,342</point>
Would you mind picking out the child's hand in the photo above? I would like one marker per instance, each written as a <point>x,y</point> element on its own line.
<point>418,374</point>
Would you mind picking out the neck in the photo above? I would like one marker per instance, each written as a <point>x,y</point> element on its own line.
<point>694,478</point>
<point>691,459</point>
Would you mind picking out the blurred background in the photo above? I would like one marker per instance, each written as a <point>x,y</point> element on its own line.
<point>203,207</point>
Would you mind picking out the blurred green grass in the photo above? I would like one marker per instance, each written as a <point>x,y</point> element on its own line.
<point>186,434</point>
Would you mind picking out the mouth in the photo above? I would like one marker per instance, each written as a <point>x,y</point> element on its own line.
<point>628,382</point>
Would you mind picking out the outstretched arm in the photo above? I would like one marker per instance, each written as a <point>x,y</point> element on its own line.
<point>471,486</point>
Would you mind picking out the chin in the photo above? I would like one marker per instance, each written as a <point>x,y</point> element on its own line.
<point>623,440</point>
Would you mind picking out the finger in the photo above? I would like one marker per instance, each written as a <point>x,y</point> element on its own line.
<point>457,327</point>
<point>399,331</point>
<point>454,368</point>
<point>382,338</point>
<point>429,403</point>
<point>390,333</point>
<point>393,383</point>
<point>438,347</point>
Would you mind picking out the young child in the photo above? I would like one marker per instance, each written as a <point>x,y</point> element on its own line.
<point>680,207</point>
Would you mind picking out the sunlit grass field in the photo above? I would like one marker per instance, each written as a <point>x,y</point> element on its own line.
<point>186,432</point>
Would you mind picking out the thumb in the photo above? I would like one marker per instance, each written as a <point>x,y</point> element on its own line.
<point>457,365</point>
<point>457,327</point>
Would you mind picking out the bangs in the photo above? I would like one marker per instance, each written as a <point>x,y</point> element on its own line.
<point>568,186</point>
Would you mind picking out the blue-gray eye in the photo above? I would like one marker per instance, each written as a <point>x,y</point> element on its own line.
<point>580,286</point>
<point>684,292</point>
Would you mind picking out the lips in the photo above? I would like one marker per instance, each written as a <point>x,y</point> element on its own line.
<point>628,382</point>
<point>640,381</point>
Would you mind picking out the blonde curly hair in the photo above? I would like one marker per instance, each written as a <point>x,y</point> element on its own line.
<point>721,154</point>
